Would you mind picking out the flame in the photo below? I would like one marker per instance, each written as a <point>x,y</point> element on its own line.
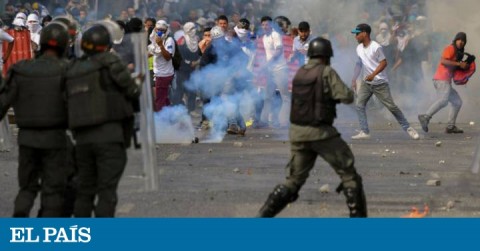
<point>415,213</point>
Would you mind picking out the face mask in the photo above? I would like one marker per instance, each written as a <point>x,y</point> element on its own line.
<point>161,34</point>
<point>241,33</point>
<point>33,27</point>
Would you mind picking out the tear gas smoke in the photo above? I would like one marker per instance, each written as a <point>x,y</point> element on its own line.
<point>173,125</point>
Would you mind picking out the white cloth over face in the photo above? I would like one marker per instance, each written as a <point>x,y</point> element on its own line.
<point>383,38</point>
<point>191,38</point>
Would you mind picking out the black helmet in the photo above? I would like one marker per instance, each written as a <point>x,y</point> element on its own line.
<point>70,23</point>
<point>96,39</point>
<point>244,24</point>
<point>54,36</point>
<point>320,47</point>
<point>283,22</point>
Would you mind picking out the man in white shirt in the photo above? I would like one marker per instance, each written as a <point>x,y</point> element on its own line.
<point>277,72</point>
<point>300,44</point>
<point>162,48</point>
<point>374,81</point>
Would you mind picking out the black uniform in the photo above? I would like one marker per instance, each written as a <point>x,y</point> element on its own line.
<point>35,89</point>
<point>100,93</point>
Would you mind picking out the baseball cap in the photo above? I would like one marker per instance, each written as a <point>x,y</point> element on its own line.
<point>361,28</point>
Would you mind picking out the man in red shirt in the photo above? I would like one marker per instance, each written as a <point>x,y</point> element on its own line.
<point>442,81</point>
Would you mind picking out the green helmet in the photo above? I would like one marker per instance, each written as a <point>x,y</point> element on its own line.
<point>96,39</point>
<point>320,47</point>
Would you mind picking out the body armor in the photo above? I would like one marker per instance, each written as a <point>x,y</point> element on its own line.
<point>311,103</point>
<point>277,201</point>
<point>93,96</point>
<point>40,103</point>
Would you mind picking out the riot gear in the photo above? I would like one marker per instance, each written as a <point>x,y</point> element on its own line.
<point>70,23</point>
<point>356,201</point>
<point>45,95</point>
<point>54,36</point>
<point>311,102</point>
<point>320,47</point>
<point>95,40</point>
<point>93,98</point>
<point>277,201</point>
<point>35,88</point>
<point>100,93</point>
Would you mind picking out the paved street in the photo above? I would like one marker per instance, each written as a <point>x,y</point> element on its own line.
<point>233,178</point>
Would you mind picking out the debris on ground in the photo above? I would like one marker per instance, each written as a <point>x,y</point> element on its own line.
<point>434,183</point>
<point>173,157</point>
<point>238,144</point>
<point>324,189</point>
<point>450,205</point>
<point>438,144</point>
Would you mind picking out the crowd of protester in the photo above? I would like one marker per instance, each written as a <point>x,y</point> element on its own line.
<point>401,27</point>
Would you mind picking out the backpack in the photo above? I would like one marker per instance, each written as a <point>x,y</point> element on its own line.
<point>310,105</point>
<point>461,76</point>
<point>177,56</point>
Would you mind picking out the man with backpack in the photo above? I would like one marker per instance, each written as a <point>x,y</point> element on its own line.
<point>442,80</point>
<point>317,89</point>
<point>163,49</point>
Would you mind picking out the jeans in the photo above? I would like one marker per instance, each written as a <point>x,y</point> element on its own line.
<point>382,92</point>
<point>277,79</point>
<point>445,94</point>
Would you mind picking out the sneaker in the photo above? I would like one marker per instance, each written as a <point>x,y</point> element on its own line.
<point>453,129</point>
<point>232,129</point>
<point>241,132</point>
<point>361,135</point>
<point>413,133</point>
<point>424,119</point>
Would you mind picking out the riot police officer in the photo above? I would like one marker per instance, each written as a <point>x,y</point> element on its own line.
<point>72,50</point>
<point>317,89</point>
<point>100,93</point>
<point>35,90</point>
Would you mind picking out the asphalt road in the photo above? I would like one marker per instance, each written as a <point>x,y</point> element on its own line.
<point>233,178</point>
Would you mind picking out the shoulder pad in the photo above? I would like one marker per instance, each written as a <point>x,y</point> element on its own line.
<point>38,68</point>
<point>83,66</point>
<point>107,58</point>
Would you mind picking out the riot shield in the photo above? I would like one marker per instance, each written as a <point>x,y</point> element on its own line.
<point>22,47</point>
<point>145,132</point>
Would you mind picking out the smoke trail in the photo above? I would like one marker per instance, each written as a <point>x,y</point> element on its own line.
<point>173,125</point>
